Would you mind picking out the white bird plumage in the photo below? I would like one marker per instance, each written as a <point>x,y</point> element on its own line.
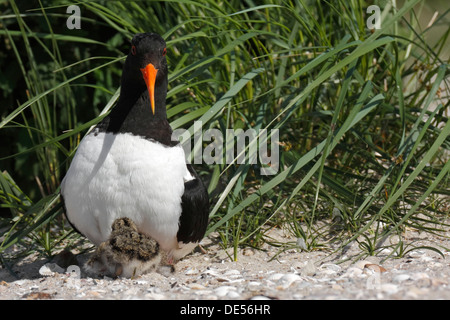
<point>108,180</point>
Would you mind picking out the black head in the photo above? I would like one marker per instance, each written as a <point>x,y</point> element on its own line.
<point>146,67</point>
<point>148,48</point>
<point>141,109</point>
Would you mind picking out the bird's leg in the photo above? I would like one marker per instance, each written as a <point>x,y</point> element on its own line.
<point>119,270</point>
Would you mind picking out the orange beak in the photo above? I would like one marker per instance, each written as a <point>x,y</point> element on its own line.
<point>149,74</point>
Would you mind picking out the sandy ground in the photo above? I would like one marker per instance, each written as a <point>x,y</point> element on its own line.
<point>211,275</point>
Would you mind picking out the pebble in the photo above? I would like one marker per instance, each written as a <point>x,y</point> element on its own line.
<point>353,272</point>
<point>275,277</point>
<point>374,267</point>
<point>196,286</point>
<point>223,291</point>
<point>288,279</point>
<point>309,269</point>
<point>50,269</point>
<point>260,298</point>
<point>330,266</point>
<point>388,288</point>
<point>419,276</point>
<point>329,269</point>
<point>361,264</point>
<point>73,271</point>
<point>233,273</point>
<point>248,252</point>
<point>401,277</point>
<point>191,271</point>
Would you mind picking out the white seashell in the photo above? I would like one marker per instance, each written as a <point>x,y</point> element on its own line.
<point>301,244</point>
<point>353,272</point>
<point>233,295</point>
<point>74,271</point>
<point>419,276</point>
<point>401,277</point>
<point>275,277</point>
<point>233,273</point>
<point>248,252</point>
<point>50,269</point>
<point>191,271</point>
<point>196,286</point>
<point>309,269</point>
<point>288,279</point>
<point>46,271</point>
<point>20,282</point>
<point>389,288</point>
<point>260,298</point>
<point>361,264</point>
<point>330,267</point>
<point>254,284</point>
<point>223,290</point>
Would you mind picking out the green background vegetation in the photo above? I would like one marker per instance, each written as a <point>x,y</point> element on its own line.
<point>362,114</point>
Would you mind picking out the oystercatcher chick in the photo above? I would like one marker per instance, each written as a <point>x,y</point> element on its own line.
<point>127,253</point>
<point>129,167</point>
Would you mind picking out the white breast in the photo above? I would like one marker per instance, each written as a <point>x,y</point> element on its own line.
<point>114,176</point>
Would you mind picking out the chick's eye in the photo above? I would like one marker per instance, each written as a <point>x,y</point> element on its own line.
<point>133,50</point>
<point>164,52</point>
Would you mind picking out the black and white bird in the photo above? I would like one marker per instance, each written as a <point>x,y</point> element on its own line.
<point>129,167</point>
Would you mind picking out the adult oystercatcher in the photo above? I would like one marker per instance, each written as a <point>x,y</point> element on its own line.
<point>129,167</point>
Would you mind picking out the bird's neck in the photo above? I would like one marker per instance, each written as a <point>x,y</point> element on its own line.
<point>133,113</point>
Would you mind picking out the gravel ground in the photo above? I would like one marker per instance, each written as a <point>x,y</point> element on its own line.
<point>421,274</point>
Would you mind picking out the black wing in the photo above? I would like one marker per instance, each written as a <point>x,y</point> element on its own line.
<point>195,210</point>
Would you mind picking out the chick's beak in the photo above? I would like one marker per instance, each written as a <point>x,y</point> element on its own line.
<point>149,74</point>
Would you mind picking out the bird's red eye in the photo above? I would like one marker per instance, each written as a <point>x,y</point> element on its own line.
<point>164,52</point>
<point>133,50</point>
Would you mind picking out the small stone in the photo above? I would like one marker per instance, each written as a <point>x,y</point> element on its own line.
<point>375,267</point>
<point>419,276</point>
<point>196,286</point>
<point>288,279</point>
<point>191,271</point>
<point>223,290</point>
<point>254,284</point>
<point>260,298</point>
<point>329,268</point>
<point>301,243</point>
<point>385,251</point>
<point>336,287</point>
<point>74,271</point>
<point>401,277</point>
<point>233,295</point>
<point>20,282</point>
<point>416,254</point>
<point>309,269</point>
<point>248,252</point>
<point>155,296</point>
<point>50,269</point>
<point>389,288</point>
<point>426,258</point>
<point>94,294</point>
<point>275,277</point>
<point>37,296</point>
<point>233,273</point>
<point>361,264</point>
<point>353,272</point>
